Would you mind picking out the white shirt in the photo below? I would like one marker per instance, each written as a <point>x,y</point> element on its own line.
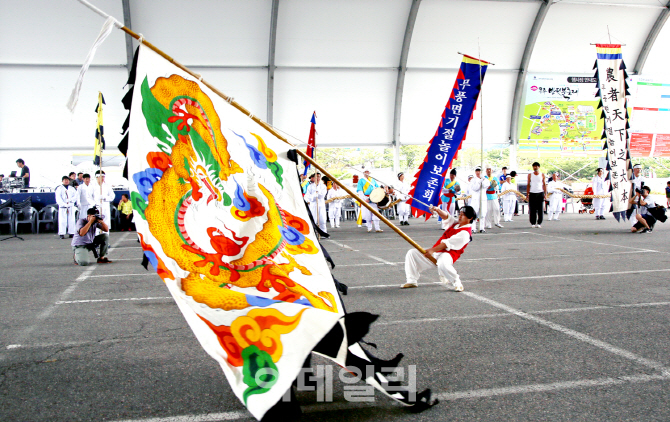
<point>107,195</point>
<point>476,186</point>
<point>510,195</point>
<point>536,183</point>
<point>316,193</point>
<point>460,239</point>
<point>637,181</point>
<point>650,204</point>
<point>404,189</point>
<point>65,197</point>
<point>598,185</point>
<point>335,194</point>
<point>84,196</point>
<point>553,186</point>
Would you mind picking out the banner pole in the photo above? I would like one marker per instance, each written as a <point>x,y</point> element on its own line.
<point>266,126</point>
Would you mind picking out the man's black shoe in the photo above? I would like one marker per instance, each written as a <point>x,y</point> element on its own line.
<point>62,236</point>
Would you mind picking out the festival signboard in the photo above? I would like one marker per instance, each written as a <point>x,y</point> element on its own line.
<point>559,117</point>
<point>650,117</point>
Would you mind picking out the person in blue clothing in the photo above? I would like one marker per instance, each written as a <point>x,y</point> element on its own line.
<point>365,186</point>
<point>667,194</point>
<point>503,176</point>
<point>450,191</point>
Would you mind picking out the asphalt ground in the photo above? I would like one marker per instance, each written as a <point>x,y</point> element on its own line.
<point>569,322</point>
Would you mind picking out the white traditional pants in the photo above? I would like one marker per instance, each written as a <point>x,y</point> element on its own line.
<point>370,217</point>
<point>492,212</point>
<point>508,208</point>
<point>335,212</point>
<point>416,263</point>
<point>319,214</point>
<point>599,206</point>
<point>449,207</point>
<point>481,214</point>
<point>555,205</point>
<point>66,220</point>
<point>83,209</point>
<point>403,211</point>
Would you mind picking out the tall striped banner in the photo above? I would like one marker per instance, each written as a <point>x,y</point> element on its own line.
<point>613,89</point>
<point>99,132</point>
<point>449,136</point>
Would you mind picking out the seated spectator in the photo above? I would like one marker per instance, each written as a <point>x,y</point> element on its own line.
<point>126,210</point>
<point>86,241</point>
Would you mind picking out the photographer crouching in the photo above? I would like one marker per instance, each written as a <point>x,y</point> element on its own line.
<point>86,241</point>
<point>645,221</point>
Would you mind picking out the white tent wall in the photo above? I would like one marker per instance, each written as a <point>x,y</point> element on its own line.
<point>444,28</point>
<point>563,45</point>
<point>352,106</point>
<point>658,61</point>
<point>361,33</point>
<point>206,32</point>
<point>50,32</point>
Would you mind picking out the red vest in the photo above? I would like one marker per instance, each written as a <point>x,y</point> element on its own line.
<point>451,231</point>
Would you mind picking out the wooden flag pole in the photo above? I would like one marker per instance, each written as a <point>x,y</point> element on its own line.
<point>267,127</point>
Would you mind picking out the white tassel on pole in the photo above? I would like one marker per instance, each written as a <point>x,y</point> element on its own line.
<point>104,33</point>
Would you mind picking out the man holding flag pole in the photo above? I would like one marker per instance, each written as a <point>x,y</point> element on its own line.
<point>102,194</point>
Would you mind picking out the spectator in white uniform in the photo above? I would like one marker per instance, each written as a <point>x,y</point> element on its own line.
<point>466,190</point>
<point>335,206</point>
<point>478,187</point>
<point>598,184</point>
<point>509,199</point>
<point>556,198</point>
<point>315,196</point>
<point>84,195</point>
<point>103,197</point>
<point>404,208</point>
<point>65,197</point>
<point>492,203</point>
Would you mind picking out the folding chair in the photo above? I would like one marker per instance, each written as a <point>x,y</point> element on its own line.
<point>47,215</point>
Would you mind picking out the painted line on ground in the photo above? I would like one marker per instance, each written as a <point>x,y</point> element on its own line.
<point>376,258</point>
<point>427,235</point>
<point>538,258</point>
<point>113,300</point>
<point>576,275</point>
<point>377,286</point>
<point>361,265</point>
<point>445,395</point>
<point>147,274</point>
<point>596,243</point>
<point>507,314</point>
<point>649,363</point>
<point>554,386</point>
<point>341,245</point>
<point>23,336</point>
